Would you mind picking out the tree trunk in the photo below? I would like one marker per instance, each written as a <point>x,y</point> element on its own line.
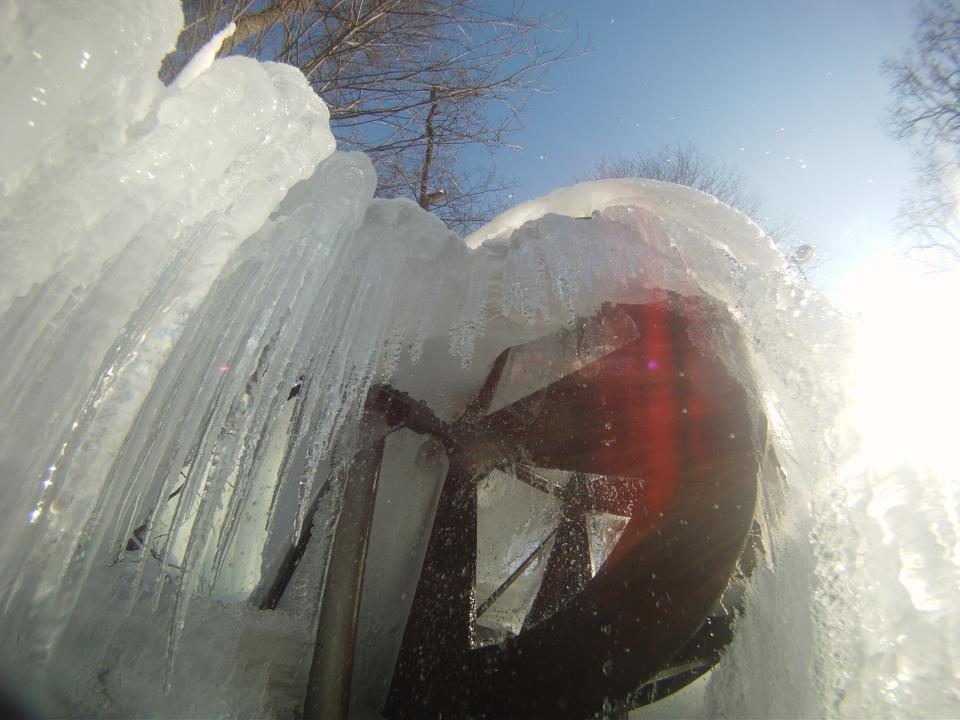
<point>250,25</point>
<point>425,197</point>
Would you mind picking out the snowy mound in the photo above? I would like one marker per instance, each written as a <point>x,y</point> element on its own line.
<point>197,300</point>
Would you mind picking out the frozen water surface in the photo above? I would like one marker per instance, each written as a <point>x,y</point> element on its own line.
<point>196,297</point>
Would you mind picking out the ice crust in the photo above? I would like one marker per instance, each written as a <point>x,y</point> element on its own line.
<point>176,259</point>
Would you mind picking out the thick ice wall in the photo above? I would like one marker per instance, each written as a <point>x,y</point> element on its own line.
<point>119,215</point>
<point>230,144</point>
<point>217,424</point>
<point>57,59</point>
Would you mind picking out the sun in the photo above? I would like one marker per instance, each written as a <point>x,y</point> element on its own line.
<point>904,381</point>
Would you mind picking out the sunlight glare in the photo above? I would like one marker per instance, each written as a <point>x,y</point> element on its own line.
<point>904,379</point>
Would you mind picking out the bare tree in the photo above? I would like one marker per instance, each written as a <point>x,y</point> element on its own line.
<point>410,82</point>
<point>925,83</point>
<point>686,165</point>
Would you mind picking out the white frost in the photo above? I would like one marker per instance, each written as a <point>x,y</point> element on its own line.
<point>204,57</point>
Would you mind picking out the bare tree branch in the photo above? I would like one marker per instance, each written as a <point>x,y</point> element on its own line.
<point>425,198</point>
<point>258,23</point>
<point>376,62</point>
<point>686,165</point>
<point>925,83</point>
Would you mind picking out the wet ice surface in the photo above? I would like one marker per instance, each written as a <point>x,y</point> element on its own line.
<point>177,259</point>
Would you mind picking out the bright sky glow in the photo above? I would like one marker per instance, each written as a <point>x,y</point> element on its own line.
<point>906,388</point>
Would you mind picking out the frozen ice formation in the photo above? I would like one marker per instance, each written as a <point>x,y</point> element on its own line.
<point>196,294</point>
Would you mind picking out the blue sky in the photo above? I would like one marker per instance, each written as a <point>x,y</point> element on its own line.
<point>790,92</point>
